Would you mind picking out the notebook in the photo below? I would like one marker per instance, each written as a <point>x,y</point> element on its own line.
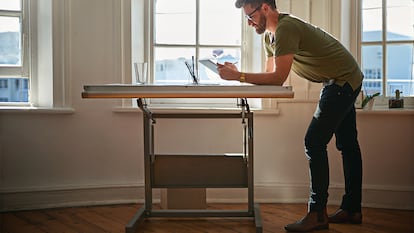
<point>209,64</point>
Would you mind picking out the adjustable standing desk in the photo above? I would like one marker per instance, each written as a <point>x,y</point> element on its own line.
<point>189,170</point>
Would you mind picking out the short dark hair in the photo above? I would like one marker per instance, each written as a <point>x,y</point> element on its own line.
<point>255,3</point>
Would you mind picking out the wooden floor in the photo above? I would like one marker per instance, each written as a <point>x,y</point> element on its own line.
<point>113,219</point>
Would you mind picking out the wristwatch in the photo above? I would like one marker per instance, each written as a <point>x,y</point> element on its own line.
<point>242,78</point>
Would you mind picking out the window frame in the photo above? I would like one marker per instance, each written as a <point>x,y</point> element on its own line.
<point>245,48</point>
<point>47,25</point>
<point>24,69</point>
<point>384,43</point>
<point>21,71</point>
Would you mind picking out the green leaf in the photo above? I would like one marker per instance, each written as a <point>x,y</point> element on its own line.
<point>369,98</point>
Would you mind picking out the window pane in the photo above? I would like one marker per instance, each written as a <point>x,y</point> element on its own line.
<point>371,20</point>
<point>10,48</point>
<point>175,22</point>
<point>400,20</point>
<point>170,65</point>
<point>11,5</point>
<point>400,69</point>
<point>14,89</point>
<point>372,68</point>
<point>215,18</point>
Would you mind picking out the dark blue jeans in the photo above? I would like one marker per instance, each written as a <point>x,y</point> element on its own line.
<point>335,114</point>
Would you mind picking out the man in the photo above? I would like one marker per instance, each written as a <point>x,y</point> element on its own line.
<point>313,54</point>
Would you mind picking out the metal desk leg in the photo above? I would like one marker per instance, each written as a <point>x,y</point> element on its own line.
<point>148,125</point>
<point>254,208</point>
<point>258,219</point>
<point>146,209</point>
<point>132,225</point>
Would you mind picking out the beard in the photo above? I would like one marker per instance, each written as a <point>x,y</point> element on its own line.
<point>261,25</point>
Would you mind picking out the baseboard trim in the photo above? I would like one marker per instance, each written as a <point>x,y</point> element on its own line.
<point>57,197</point>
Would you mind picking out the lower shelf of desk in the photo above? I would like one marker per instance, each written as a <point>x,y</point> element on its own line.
<point>199,171</point>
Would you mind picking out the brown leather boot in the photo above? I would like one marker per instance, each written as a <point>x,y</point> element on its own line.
<point>314,220</point>
<point>343,216</point>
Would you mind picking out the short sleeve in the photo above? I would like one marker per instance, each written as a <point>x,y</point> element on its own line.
<point>287,38</point>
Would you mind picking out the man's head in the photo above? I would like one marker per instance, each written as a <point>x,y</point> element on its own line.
<point>253,12</point>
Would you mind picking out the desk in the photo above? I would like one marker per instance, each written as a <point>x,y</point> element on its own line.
<point>189,170</point>
<point>185,91</point>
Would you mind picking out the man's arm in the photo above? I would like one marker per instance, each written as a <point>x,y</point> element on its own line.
<point>275,74</point>
<point>270,64</point>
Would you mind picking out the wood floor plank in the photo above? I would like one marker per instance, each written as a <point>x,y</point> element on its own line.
<point>98,220</point>
<point>11,223</point>
<point>113,218</point>
<point>117,213</point>
<point>80,224</point>
<point>45,222</point>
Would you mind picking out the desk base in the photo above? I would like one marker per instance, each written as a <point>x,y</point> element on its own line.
<point>142,214</point>
<point>197,170</point>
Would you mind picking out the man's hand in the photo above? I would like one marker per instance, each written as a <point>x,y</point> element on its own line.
<point>228,71</point>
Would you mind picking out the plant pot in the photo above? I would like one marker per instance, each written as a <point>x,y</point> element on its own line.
<point>369,105</point>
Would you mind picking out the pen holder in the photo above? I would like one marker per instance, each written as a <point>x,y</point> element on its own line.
<point>194,80</point>
<point>193,72</point>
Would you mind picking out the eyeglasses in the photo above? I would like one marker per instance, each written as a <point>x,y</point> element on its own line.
<point>249,16</point>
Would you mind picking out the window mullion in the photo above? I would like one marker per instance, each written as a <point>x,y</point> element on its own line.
<point>384,47</point>
<point>12,72</point>
<point>197,36</point>
<point>7,13</point>
<point>25,38</point>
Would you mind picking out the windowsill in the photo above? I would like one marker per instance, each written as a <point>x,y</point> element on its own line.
<point>35,110</point>
<point>382,110</point>
<point>381,107</point>
<point>257,111</point>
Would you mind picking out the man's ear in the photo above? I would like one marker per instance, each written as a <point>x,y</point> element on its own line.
<point>265,8</point>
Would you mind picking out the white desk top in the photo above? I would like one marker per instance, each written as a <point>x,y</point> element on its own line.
<point>186,91</point>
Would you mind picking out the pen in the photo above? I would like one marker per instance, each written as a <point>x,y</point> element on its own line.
<point>228,62</point>
<point>192,60</point>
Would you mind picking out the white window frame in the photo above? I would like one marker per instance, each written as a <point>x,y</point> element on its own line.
<point>46,57</point>
<point>23,70</point>
<point>383,43</point>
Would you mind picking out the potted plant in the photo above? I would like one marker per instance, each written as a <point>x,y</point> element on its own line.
<point>369,100</point>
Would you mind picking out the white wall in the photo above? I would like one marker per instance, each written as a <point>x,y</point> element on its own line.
<point>94,154</point>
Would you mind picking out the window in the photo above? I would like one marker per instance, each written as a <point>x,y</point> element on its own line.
<point>187,30</point>
<point>14,65</point>
<point>387,43</point>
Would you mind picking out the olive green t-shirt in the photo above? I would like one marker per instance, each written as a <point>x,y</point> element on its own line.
<point>318,56</point>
